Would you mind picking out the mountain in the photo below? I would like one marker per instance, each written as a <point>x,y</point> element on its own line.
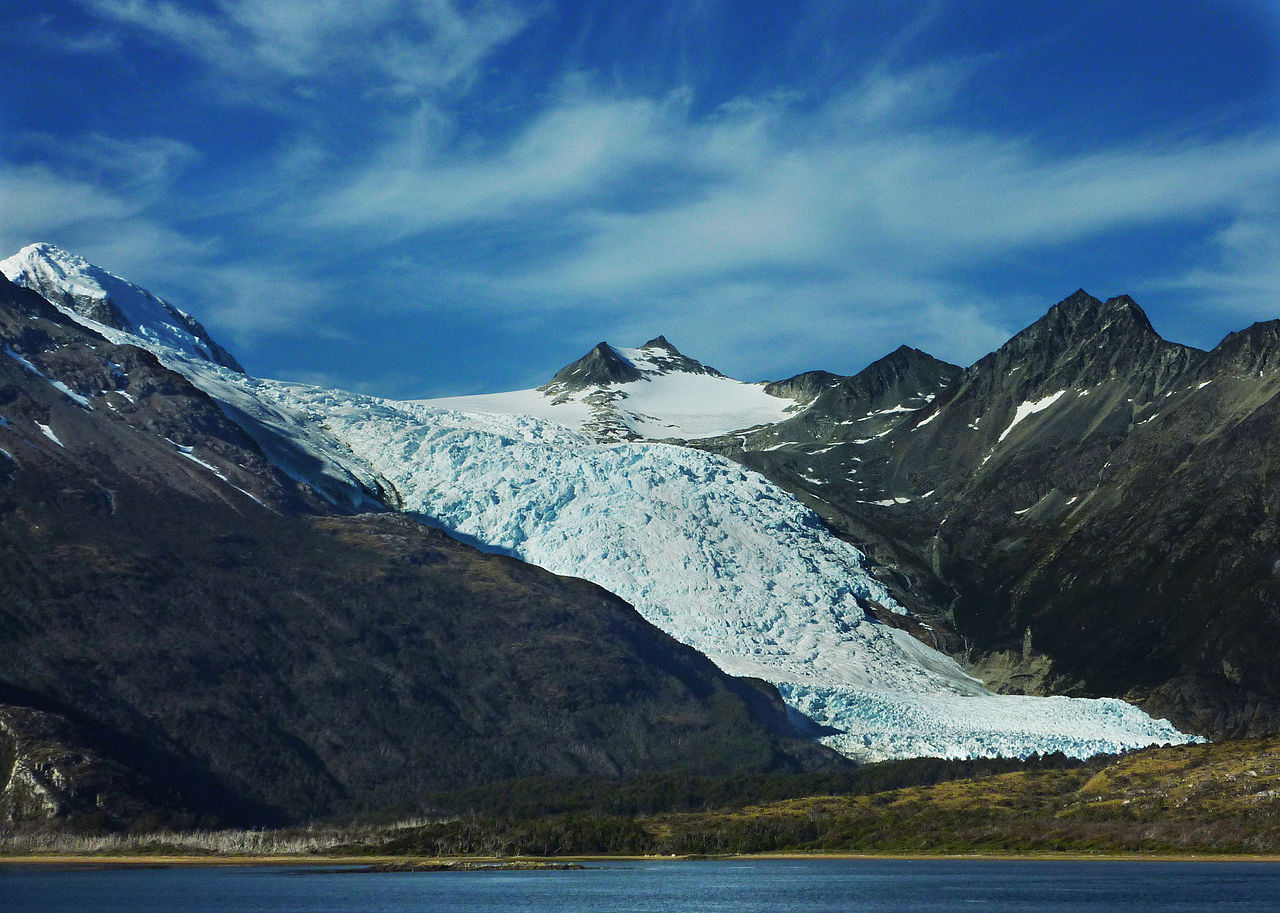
<point>126,314</point>
<point>714,555</point>
<point>189,634</point>
<point>1090,507</point>
<point>70,281</point>
<point>649,393</point>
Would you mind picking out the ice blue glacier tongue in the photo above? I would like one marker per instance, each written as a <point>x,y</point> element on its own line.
<point>721,559</point>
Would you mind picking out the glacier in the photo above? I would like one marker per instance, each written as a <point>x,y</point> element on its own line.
<point>720,558</point>
<point>710,552</point>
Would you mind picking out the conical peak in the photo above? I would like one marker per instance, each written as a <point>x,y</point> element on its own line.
<point>602,365</point>
<point>659,342</point>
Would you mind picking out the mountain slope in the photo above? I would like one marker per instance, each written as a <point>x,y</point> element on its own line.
<point>1090,506</point>
<point>220,631</point>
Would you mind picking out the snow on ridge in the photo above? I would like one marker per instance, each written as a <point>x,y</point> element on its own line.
<point>78,399</point>
<point>45,268</point>
<point>718,557</point>
<point>1030,408</point>
<point>666,403</point>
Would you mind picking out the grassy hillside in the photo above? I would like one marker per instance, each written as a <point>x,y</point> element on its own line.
<point>1222,798</point>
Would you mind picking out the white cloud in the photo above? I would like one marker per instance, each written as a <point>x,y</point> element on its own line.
<point>1242,275</point>
<point>567,155</point>
<point>656,196</point>
<point>770,217</point>
<point>37,202</point>
<point>401,46</point>
<point>238,296</point>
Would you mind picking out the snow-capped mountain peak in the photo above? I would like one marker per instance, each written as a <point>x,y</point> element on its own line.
<point>79,287</point>
<point>648,393</point>
<point>127,314</point>
<point>658,356</point>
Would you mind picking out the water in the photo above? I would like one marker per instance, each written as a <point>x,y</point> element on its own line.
<point>756,886</point>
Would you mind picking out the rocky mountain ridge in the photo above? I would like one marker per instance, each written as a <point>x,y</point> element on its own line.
<point>1089,507</point>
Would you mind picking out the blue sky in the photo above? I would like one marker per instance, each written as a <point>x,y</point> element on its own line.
<point>428,197</point>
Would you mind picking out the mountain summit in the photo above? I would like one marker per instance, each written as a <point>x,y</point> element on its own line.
<point>602,365</point>
<point>653,392</point>
<point>69,281</point>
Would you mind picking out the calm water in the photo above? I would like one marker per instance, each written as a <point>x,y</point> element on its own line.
<point>818,886</point>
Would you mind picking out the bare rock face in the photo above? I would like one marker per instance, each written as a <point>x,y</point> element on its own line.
<point>1088,482</point>
<point>58,773</point>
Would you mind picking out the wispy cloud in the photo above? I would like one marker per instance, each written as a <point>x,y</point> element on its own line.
<point>771,207</point>
<point>1241,274</point>
<point>147,164</point>
<point>567,157</point>
<point>782,186</point>
<point>110,219</point>
<point>395,46</point>
<point>46,31</point>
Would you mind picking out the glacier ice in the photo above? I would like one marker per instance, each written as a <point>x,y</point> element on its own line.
<point>721,559</point>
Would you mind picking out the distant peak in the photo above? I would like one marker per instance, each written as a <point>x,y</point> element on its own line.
<point>602,365</point>
<point>659,342</point>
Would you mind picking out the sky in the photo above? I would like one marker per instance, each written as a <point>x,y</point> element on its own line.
<point>420,198</point>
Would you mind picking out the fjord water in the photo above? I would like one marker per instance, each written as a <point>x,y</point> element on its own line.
<point>747,886</point>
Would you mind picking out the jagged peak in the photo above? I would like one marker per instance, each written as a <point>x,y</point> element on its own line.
<point>660,342</point>
<point>1082,341</point>
<point>1081,317</point>
<point>1255,348</point>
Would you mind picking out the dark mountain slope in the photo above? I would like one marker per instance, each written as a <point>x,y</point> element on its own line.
<point>1092,507</point>
<point>215,629</point>
<point>602,365</point>
<point>836,458</point>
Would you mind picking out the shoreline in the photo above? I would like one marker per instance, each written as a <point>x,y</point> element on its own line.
<point>90,861</point>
